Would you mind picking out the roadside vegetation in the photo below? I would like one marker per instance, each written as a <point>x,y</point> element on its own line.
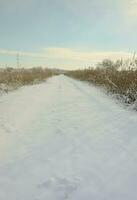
<point>118,78</point>
<point>11,78</point>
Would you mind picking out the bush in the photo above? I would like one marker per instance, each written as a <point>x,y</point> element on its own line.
<point>113,78</point>
<point>17,77</point>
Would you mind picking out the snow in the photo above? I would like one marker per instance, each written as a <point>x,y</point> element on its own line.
<point>65,139</point>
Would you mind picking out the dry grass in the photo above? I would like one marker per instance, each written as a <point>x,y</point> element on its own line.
<point>13,78</point>
<point>110,76</point>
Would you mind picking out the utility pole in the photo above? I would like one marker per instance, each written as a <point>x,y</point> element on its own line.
<point>18,61</point>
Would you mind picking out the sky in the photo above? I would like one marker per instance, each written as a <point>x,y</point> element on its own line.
<point>66,33</point>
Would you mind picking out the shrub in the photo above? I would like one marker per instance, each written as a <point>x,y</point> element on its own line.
<point>17,77</point>
<point>113,78</point>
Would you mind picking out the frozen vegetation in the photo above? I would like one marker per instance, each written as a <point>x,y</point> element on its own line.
<point>11,79</point>
<point>117,78</point>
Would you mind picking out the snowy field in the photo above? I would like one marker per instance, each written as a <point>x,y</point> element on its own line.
<point>64,139</point>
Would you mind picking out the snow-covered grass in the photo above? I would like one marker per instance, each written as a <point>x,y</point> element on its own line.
<point>65,139</point>
<point>13,78</point>
<point>118,81</point>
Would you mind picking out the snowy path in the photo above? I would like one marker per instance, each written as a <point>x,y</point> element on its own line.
<point>64,140</point>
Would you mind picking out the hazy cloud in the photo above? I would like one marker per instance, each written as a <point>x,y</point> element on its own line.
<point>65,57</point>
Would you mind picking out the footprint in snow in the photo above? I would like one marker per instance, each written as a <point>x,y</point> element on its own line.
<point>59,187</point>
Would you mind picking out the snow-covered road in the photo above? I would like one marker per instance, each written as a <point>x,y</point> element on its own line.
<point>64,139</point>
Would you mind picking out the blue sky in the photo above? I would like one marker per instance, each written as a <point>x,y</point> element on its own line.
<point>66,33</point>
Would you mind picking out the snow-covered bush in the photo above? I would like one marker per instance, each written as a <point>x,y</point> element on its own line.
<point>119,78</point>
<point>12,78</point>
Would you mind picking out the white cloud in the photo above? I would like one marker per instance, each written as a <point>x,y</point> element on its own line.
<point>21,53</point>
<point>65,57</point>
<point>66,53</point>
